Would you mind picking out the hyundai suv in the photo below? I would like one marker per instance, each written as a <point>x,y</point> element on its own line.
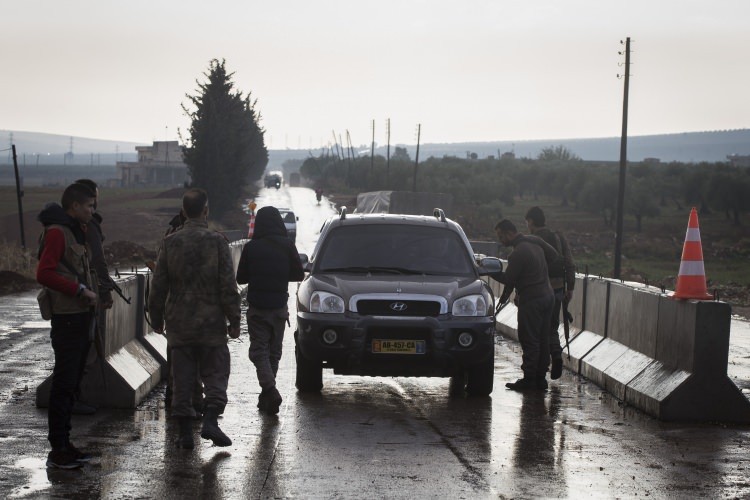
<point>396,295</point>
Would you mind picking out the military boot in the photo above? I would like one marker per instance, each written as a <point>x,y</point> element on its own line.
<point>211,429</point>
<point>185,440</point>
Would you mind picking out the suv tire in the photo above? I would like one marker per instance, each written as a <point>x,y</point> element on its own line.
<point>457,385</point>
<point>309,374</point>
<point>481,378</point>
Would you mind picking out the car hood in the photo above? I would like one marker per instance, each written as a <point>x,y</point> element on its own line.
<point>449,287</point>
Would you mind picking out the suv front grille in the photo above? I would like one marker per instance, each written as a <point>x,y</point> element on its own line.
<point>398,307</point>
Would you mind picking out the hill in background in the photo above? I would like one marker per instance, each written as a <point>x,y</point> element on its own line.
<point>36,148</point>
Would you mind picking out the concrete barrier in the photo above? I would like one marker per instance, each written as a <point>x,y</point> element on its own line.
<point>666,357</point>
<point>128,371</point>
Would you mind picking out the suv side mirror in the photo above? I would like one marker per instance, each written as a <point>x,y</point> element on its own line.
<point>305,261</point>
<point>489,266</point>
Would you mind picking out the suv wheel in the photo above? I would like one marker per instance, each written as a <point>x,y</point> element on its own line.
<point>481,378</point>
<point>457,385</point>
<point>309,374</point>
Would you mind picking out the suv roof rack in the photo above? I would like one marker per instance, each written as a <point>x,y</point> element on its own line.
<point>439,214</point>
<point>343,213</point>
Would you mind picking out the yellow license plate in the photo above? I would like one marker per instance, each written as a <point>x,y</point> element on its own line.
<point>380,346</point>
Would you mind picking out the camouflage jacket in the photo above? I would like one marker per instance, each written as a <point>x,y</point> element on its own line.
<point>193,289</point>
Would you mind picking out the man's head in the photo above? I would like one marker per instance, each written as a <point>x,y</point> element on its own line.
<point>195,204</point>
<point>78,201</point>
<point>92,186</point>
<point>535,218</point>
<point>506,231</point>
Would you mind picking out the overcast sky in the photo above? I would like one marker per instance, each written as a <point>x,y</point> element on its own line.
<point>470,70</point>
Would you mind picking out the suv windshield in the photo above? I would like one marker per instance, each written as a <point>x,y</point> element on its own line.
<point>394,249</point>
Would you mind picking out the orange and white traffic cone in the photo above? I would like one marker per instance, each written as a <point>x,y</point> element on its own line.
<point>251,226</point>
<point>691,280</point>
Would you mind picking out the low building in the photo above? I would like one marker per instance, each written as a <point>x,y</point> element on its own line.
<point>739,160</point>
<point>159,165</point>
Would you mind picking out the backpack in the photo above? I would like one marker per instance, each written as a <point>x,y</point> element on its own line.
<point>556,265</point>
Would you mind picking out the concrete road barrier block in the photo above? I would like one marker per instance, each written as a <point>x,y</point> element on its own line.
<point>580,346</point>
<point>596,305</point>
<point>128,372</point>
<point>507,321</point>
<point>595,363</point>
<point>623,370</point>
<point>625,305</point>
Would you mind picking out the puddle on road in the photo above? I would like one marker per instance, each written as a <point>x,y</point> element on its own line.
<point>36,324</point>
<point>38,480</point>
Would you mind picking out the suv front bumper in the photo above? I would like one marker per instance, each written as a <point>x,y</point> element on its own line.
<point>352,353</point>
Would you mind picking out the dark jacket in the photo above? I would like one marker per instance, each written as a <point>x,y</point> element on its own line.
<point>527,268</point>
<point>95,240</point>
<point>559,243</point>
<point>63,238</point>
<point>269,262</point>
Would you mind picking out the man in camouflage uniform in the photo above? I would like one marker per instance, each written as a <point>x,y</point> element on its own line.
<point>193,292</point>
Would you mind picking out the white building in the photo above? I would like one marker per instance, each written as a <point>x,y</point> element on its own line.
<point>159,165</point>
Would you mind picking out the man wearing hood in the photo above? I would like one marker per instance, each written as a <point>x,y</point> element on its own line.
<point>64,270</point>
<point>194,295</point>
<point>269,261</point>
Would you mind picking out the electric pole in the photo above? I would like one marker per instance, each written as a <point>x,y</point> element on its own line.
<point>388,151</point>
<point>623,162</point>
<point>372,149</point>
<point>416,161</point>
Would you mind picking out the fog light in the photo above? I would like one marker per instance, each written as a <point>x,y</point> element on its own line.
<point>465,339</point>
<point>330,336</point>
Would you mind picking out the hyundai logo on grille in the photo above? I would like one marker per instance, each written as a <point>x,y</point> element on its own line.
<point>398,306</point>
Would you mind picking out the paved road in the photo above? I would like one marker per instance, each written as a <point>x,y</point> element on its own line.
<point>368,437</point>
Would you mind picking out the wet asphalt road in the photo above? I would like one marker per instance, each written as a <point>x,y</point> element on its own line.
<point>367,437</point>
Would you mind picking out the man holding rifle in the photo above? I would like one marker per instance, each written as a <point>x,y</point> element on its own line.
<point>64,270</point>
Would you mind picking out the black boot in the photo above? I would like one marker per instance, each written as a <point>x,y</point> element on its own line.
<point>211,429</point>
<point>185,441</point>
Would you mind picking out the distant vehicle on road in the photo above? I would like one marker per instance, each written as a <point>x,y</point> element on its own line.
<point>274,178</point>
<point>396,295</point>
<point>290,222</point>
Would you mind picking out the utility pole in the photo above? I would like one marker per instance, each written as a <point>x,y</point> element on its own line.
<point>623,162</point>
<point>350,155</point>
<point>416,161</point>
<point>372,150</point>
<point>19,195</point>
<point>388,151</point>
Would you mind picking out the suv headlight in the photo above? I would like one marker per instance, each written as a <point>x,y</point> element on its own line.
<point>471,305</point>
<point>324,302</point>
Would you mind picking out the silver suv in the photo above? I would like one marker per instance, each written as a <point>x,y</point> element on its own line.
<point>396,295</point>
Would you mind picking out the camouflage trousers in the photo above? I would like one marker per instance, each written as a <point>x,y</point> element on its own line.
<point>212,364</point>
<point>266,328</point>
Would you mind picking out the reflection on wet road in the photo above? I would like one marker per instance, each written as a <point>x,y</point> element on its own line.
<point>367,437</point>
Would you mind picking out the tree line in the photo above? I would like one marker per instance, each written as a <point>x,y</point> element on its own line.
<point>487,185</point>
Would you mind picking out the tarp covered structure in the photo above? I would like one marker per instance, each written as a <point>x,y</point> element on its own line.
<point>403,202</point>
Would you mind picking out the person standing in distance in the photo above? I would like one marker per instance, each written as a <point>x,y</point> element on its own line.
<point>527,273</point>
<point>194,294</point>
<point>563,281</point>
<point>64,270</point>
<point>269,261</point>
